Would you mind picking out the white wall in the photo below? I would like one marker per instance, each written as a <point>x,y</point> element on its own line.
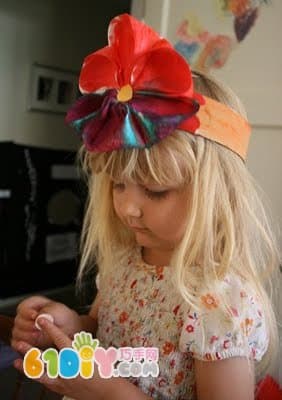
<point>55,33</point>
<point>264,162</point>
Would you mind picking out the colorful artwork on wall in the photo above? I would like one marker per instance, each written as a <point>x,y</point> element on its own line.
<point>206,49</point>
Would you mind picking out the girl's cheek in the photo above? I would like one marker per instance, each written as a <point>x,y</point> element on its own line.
<point>117,208</point>
<point>115,203</point>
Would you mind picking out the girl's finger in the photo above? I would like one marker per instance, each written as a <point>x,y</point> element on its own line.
<point>24,324</point>
<point>44,379</point>
<point>22,347</point>
<point>33,304</point>
<point>26,313</point>
<point>43,315</point>
<point>19,335</point>
<point>59,338</point>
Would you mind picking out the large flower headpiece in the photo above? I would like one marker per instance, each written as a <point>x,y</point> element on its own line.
<point>138,90</point>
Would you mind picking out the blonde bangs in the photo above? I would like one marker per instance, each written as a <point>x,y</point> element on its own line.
<point>168,163</point>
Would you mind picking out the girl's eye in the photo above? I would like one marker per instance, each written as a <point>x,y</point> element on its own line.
<point>151,194</point>
<point>118,186</point>
<point>154,195</point>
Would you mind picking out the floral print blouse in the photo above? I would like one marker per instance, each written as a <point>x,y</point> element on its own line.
<point>141,308</point>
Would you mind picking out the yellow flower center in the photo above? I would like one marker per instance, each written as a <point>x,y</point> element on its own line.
<point>125,93</point>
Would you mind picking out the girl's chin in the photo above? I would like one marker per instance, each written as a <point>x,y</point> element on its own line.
<point>143,239</point>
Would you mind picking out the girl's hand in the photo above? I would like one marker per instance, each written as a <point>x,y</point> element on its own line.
<point>76,388</point>
<point>28,310</point>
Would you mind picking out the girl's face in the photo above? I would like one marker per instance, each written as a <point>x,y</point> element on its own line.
<point>155,214</point>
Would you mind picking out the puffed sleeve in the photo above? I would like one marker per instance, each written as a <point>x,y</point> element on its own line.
<point>212,335</point>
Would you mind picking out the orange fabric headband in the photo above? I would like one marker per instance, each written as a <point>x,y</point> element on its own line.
<point>223,125</point>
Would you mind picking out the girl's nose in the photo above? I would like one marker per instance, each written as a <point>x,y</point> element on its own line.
<point>131,201</point>
<point>133,210</point>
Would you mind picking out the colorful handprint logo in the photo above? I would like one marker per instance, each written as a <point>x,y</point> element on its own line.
<point>85,352</point>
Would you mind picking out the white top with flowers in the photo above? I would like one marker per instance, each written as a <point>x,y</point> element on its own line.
<point>140,307</point>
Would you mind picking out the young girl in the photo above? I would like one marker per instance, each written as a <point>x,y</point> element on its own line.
<point>174,223</point>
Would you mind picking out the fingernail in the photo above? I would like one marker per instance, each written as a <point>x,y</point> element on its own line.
<point>41,322</point>
<point>41,319</point>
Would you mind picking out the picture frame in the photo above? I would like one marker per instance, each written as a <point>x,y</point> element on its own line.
<point>52,89</point>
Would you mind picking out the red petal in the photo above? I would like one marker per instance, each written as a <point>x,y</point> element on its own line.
<point>199,98</point>
<point>163,70</point>
<point>130,38</point>
<point>99,71</point>
<point>136,55</point>
<point>190,125</point>
<point>128,28</point>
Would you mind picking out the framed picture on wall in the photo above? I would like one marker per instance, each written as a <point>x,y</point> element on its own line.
<point>52,89</point>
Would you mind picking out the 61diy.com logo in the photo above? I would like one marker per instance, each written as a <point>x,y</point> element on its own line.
<point>70,362</point>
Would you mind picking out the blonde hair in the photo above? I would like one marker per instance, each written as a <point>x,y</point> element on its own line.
<point>227,229</point>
